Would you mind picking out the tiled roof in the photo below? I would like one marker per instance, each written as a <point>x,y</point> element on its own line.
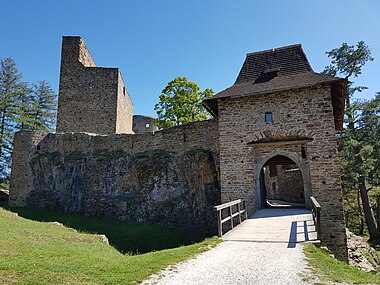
<point>280,69</point>
<point>289,60</point>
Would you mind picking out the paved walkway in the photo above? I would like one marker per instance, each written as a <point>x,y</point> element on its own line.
<point>262,250</point>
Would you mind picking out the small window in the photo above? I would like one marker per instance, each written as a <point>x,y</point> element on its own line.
<point>124,91</point>
<point>303,152</point>
<point>268,117</point>
<point>272,170</point>
<point>147,125</point>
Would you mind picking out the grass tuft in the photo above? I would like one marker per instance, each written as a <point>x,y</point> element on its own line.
<point>330,269</point>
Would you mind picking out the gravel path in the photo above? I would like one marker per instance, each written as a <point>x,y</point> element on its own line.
<point>240,262</point>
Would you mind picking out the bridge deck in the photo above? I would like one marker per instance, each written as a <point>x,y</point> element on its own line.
<point>280,225</point>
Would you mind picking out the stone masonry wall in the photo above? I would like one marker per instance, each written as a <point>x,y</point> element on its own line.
<point>124,108</point>
<point>170,176</point>
<point>287,185</point>
<point>91,99</point>
<point>143,124</point>
<point>22,178</point>
<point>308,111</point>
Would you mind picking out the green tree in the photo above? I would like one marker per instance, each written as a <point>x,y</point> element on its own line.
<point>43,107</point>
<point>359,153</point>
<point>348,61</point>
<point>10,87</point>
<point>22,109</point>
<point>356,149</point>
<point>181,103</point>
<point>22,106</point>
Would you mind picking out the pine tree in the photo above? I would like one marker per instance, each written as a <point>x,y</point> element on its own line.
<point>22,107</point>
<point>10,86</point>
<point>43,107</point>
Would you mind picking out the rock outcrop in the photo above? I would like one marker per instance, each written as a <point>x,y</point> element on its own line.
<point>361,254</point>
<point>153,187</point>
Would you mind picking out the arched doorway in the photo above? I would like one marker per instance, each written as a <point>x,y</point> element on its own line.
<point>282,181</point>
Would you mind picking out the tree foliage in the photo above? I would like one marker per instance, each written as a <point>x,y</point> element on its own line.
<point>181,103</point>
<point>22,106</point>
<point>359,140</point>
<point>347,61</point>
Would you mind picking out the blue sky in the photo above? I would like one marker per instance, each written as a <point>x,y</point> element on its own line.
<point>152,42</point>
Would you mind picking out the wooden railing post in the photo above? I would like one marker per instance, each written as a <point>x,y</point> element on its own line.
<point>219,218</point>
<point>231,215</point>
<point>316,215</point>
<point>232,219</point>
<point>245,210</point>
<point>238,208</point>
<point>318,223</point>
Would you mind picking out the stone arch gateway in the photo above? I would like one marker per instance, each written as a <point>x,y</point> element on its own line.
<point>298,161</point>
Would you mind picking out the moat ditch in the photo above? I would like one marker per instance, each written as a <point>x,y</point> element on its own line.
<point>127,238</point>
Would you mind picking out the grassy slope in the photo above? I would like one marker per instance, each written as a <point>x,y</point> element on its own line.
<point>127,238</point>
<point>330,269</point>
<point>39,253</point>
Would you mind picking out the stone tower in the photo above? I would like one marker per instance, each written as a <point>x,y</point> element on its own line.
<point>91,99</point>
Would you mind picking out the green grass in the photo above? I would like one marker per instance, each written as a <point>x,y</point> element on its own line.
<point>41,253</point>
<point>329,269</point>
<point>127,238</point>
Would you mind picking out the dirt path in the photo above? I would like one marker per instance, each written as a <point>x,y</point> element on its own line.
<point>264,249</point>
<point>234,262</point>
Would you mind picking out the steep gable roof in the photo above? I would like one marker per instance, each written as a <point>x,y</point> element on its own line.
<point>287,60</point>
<point>280,69</point>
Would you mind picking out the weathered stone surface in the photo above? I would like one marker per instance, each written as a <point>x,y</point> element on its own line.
<point>361,254</point>
<point>104,239</point>
<point>284,184</point>
<point>91,99</point>
<point>155,187</point>
<point>125,177</point>
<point>142,124</point>
<point>306,111</point>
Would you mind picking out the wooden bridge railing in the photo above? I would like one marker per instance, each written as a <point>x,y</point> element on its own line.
<point>316,215</point>
<point>235,209</point>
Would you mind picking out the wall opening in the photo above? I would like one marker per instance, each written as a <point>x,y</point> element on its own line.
<point>268,117</point>
<point>281,183</point>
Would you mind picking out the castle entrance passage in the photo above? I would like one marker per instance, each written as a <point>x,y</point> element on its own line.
<point>281,184</point>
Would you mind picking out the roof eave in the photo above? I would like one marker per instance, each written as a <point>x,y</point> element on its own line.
<point>339,92</point>
<point>338,95</point>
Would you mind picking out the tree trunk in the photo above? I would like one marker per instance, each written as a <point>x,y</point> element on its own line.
<point>368,214</point>
<point>361,226</point>
<point>378,211</point>
<point>2,130</point>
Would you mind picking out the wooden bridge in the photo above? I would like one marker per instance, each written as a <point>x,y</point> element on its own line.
<point>277,225</point>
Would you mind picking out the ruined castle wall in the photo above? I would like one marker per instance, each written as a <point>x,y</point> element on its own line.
<point>143,124</point>
<point>22,178</point>
<point>124,108</point>
<point>170,176</point>
<point>287,185</point>
<point>240,119</point>
<point>91,99</point>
